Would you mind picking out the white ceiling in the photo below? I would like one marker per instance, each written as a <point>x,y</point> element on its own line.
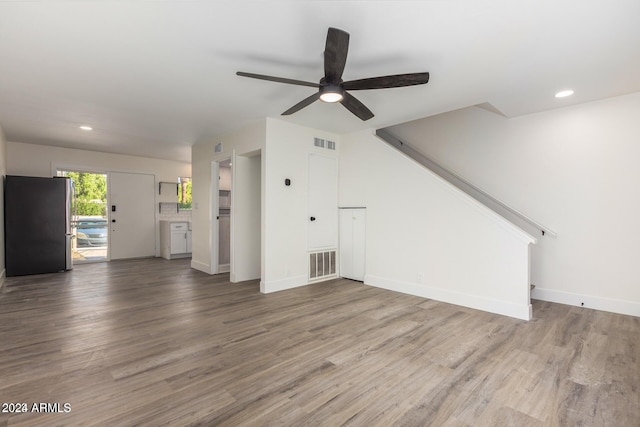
<point>153,77</point>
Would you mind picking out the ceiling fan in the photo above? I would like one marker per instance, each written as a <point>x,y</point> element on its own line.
<point>331,88</point>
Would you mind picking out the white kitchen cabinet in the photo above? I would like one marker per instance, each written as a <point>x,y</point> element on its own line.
<point>168,196</point>
<point>175,239</point>
<point>352,243</point>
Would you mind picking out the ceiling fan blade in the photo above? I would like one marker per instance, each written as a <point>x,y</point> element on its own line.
<point>277,79</point>
<point>356,107</point>
<point>300,105</point>
<point>399,80</point>
<point>335,55</point>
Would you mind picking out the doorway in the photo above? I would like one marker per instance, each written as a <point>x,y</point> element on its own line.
<point>246,220</point>
<point>89,227</point>
<point>224,217</point>
<point>236,222</point>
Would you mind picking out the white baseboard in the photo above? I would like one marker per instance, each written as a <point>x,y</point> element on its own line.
<point>505,308</point>
<point>200,266</point>
<point>224,268</point>
<point>282,284</point>
<point>630,308</point>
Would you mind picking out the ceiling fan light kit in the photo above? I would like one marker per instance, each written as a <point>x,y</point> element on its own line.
<point>331,93</point>
<point>332,89</point>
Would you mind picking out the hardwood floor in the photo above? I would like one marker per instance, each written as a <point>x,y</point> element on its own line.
<point>152,342</point>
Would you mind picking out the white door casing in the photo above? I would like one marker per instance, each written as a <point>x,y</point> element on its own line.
<point>214,212</point>
<point>132,224</point>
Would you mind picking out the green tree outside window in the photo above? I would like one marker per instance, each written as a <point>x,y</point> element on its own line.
<point>184,192</point>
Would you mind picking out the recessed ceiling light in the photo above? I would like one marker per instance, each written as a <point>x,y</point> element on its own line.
<point>86,128</point>
<point>564,93</point>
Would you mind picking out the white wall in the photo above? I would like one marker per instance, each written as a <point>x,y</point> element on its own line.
<point>41,160</point>
<point>284,149</point>
<point>3,172</point>
<point>573,169</point>
<point>247,140</point>
<point>287,207</point>
<point>427,238</point>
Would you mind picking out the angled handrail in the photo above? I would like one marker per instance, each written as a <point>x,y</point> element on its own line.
<point>458,180</point>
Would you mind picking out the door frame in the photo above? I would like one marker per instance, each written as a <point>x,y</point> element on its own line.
<point>56,167</point>
<point>214,238</point>
<point>213,216</point>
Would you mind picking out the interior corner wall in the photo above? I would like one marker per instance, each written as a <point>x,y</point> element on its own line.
<point>287,207</point>
<point>574,169</point>
<point>246,140</point>
<point>427,238</point>
<point>3,172</point>
<point>38,160</point>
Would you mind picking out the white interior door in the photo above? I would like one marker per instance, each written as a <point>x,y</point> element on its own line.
<point>352,243</point>
<point>323,202</point>
<point>132,215</point>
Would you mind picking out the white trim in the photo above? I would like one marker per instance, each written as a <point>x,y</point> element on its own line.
<point>224,268</point>
<point>55,166</point>
<point>505,308</point>
<point>323,278</point>
<point>631,308</point>
<point>200,266</point>
<point>214,210</point>
<point>282,284</point>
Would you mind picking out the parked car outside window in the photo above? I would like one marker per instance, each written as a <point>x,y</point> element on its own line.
<point>91,231</point>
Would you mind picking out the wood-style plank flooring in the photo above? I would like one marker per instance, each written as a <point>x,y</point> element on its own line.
<point>153,342</point>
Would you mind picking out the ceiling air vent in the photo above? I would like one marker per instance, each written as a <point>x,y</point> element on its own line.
<point>324,143</point>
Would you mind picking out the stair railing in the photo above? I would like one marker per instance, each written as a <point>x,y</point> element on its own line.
<point>461,183</point>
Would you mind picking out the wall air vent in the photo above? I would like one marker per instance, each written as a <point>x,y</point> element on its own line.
<point>322,265</point>
<point>324,143</point>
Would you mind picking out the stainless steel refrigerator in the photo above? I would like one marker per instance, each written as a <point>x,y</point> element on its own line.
<point>37,225</point>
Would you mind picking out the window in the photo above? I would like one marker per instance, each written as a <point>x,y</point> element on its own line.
<point>184,192</point>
